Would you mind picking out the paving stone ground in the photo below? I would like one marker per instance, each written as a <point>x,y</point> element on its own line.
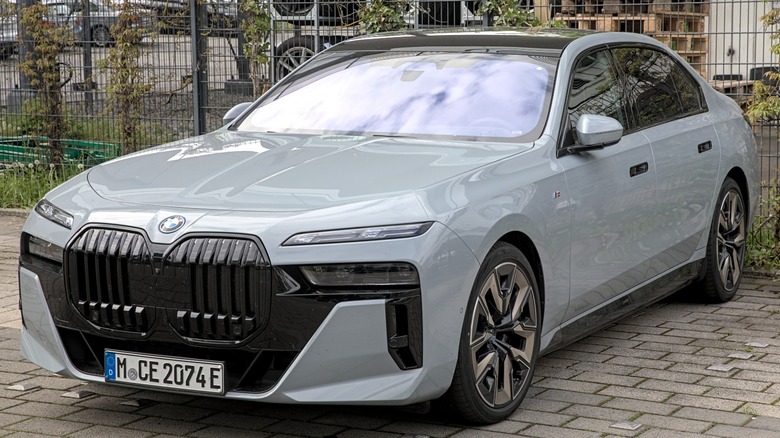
<point>650,375</point>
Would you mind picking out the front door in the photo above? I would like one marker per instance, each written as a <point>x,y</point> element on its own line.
<point>611,191</point>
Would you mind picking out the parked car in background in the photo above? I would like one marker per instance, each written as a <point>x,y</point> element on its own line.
<point>8,29</point>
<point>404,217</point>
<point>174,15</point>
<point>102,16</point>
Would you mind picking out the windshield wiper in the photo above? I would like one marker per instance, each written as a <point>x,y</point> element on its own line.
<point>394,135</point>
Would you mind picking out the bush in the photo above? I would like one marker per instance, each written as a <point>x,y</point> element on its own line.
<point>44,72</point>
<point>763,243</point>
<point>383,15</point>
<point>31,123</point>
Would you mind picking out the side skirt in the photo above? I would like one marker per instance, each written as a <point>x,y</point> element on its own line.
<point>624,305</point>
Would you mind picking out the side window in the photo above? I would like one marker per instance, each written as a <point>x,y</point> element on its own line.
<point>657,87</point>
<point>595,90</point>
<point>688,89</point>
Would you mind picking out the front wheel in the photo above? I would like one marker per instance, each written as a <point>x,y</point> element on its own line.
<point>500,339</point>
<point>101,37</point>
<point>726,247</point>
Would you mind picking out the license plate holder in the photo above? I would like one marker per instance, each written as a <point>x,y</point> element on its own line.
<point>165,372</point>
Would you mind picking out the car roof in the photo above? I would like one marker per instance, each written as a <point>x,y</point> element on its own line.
<point>549,40</point>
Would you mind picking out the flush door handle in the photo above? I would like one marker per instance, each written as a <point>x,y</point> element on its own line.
<point>638,169</point>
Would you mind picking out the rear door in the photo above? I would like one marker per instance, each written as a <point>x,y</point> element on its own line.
<point>669,109</point>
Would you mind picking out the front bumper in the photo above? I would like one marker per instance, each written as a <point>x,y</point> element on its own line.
<point>339,354</point>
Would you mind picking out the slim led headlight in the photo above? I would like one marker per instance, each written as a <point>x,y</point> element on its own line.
<point>359,234</point>
<point>54,213</point>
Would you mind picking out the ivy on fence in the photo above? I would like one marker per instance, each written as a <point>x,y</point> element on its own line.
<point>44,72</point>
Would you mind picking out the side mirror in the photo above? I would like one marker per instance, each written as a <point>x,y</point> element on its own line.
<point>596,132</point>
<point>234,112</point>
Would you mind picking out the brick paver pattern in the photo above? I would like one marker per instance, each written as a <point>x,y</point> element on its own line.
<point>650,375</point>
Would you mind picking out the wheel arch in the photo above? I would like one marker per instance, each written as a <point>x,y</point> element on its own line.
<point>525,234</point>
<point>738,175</point>
<point>524,243</point>
<point>466,392</point>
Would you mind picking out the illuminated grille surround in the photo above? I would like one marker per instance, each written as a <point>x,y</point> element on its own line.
<point>214,287</point>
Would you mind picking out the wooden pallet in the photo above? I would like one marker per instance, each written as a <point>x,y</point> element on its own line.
<point>698,6</point>
<point>678,24</point>
<point>651,23</point>
<point>626,6</point>
<point>686,22</point>
<point>684,44</point>
<point>574,7</point>
<point>698,62</point>
<point>609,23</point>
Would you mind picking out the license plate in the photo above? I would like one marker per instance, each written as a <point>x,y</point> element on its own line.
<point>165,372</point>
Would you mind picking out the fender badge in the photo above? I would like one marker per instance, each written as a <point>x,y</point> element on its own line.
<point>172,224</point>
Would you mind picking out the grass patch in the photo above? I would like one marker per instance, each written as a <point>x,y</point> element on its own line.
<point>150,133</point>
<point>23,185</point>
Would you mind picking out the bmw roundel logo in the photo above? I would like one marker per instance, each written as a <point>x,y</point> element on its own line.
<point>172,223</point>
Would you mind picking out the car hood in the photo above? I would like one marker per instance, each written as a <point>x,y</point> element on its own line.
<point>228,170</point>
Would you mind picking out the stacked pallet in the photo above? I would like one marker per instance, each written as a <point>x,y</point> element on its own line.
<point>680,24</point>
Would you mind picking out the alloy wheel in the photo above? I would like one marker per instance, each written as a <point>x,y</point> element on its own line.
<point>101,37</point>
<point>502,334</point>
<point>731,236</point>
<point>290,59</point>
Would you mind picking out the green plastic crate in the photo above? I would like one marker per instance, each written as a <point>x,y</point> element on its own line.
<point>27,150</point>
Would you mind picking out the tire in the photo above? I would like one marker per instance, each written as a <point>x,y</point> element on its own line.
<point>499,341</point>
<point>101,37</point>
<point>292,53</point>
<point>725,257</point>
<point>291,8</point>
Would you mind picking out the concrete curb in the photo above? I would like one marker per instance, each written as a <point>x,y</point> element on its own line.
<point>16,212</point>
<point>761,274</point>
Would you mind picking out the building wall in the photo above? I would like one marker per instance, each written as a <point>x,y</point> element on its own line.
<point>738,40</point>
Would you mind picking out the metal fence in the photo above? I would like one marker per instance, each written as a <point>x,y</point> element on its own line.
<point>192,54</point>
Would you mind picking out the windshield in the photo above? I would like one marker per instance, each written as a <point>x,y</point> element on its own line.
<point>472,95</point>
